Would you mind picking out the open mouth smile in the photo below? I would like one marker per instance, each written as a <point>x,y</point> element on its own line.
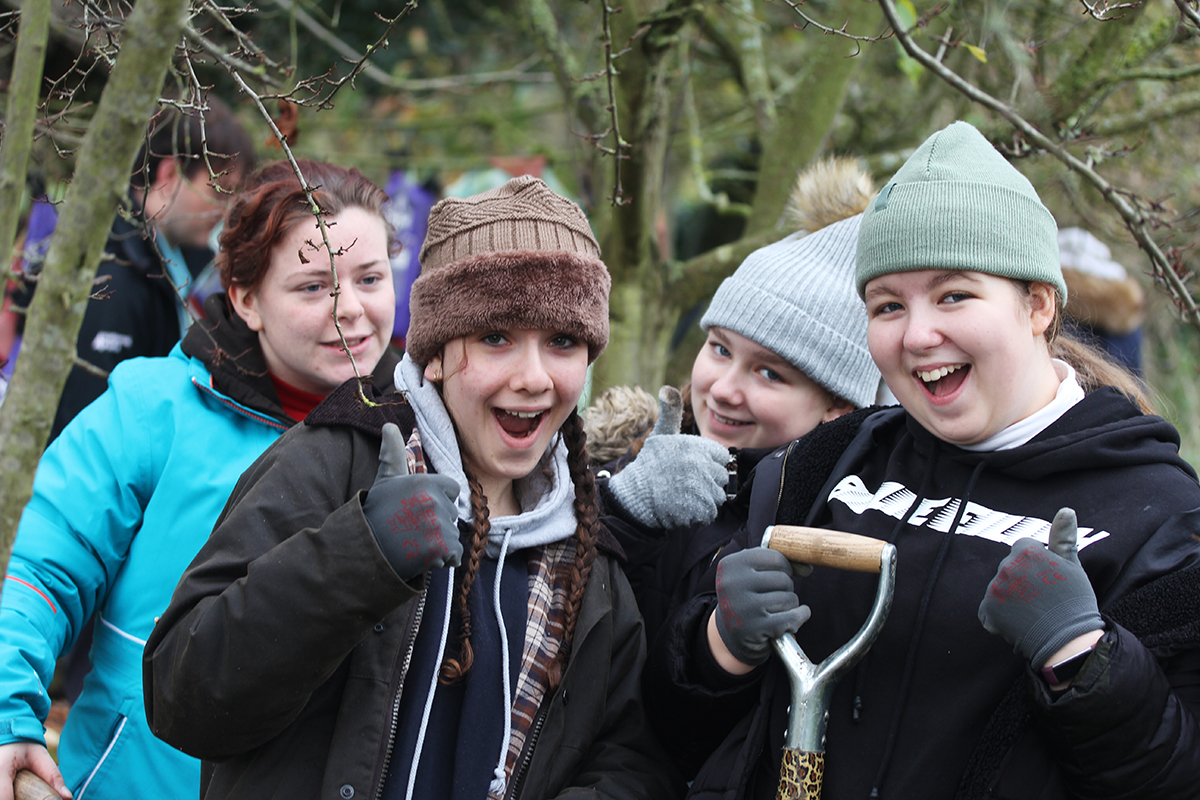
<point>519,424</point>
<point>943,381</point>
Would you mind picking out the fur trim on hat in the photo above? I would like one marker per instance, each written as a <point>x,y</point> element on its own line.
<point>548,289</point>
<point>1103,304</point>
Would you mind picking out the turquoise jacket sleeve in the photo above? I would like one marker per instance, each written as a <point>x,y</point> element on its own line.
<point>89,494</point>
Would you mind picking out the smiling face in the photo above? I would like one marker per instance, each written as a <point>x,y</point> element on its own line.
<point>508,393</point>
<point>963,352</point>
<point>744,395</point>
<point>292,310</point>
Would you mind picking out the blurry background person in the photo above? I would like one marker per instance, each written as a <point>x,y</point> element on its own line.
<point>138,304</point>
<point>127,494</point>
<point>1105,304</point>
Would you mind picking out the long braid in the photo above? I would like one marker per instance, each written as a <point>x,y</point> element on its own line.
<point>453,669</point>
<point>587,531</point>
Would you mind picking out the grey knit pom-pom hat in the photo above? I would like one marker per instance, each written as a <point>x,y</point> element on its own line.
<point>957,204</point>
<point>796,298</point>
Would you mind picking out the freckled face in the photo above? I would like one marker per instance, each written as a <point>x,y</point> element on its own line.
<point>964,352</point>
<point>292,309</point>
<point>744,395</point>
<point>508,393</point>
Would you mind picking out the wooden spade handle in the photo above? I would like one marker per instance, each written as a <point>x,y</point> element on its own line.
<point>28,786</point>
<point>823,548</point>
<point>800,775</point>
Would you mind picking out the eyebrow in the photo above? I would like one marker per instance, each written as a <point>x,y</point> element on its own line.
<point>759,352</point>
<point>942,277</point>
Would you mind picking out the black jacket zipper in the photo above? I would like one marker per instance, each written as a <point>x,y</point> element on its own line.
<point>414,624</point>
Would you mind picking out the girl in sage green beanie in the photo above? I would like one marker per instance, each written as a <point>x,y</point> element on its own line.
<point>1047,540</point>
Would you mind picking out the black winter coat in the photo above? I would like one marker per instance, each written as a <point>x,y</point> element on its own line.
<point>665,566</point>
<point>282,655</point>
<point>939,707</point>
<point>132,313</point>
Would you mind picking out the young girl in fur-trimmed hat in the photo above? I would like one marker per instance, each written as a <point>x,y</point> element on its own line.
<point>1042,640</point>
<point>414,598</point>
<point>786,351</point>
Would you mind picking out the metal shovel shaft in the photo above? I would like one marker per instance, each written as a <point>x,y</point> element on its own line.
<point>812,684</point>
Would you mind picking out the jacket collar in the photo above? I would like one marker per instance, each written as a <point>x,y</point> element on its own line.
<point>231,352</point>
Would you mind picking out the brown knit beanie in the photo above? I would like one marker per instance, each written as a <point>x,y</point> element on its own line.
<point>519,256</point>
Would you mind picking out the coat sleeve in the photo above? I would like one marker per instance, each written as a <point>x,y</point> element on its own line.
<point>289,582</point>
<point>89,495</point>
<point>691,702</point>
<point>1128,726</point>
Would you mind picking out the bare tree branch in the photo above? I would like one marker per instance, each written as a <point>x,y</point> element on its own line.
<point>1131,209</point>
<point>1173,106</point>
<point>1102,11</point>
<point>319,216</point>
<point>1189,13</point>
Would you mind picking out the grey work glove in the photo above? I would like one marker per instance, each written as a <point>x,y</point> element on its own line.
<point>756,602</point>
<point>677,479</point>
<point>1041,598</point>
<point>413,517</point>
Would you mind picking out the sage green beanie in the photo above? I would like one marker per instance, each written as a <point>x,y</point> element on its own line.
<point>956,203</point>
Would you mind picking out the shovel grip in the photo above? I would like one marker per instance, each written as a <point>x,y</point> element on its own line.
<point>29,786</point>
<point>824,548</point>
<point>800,775</point>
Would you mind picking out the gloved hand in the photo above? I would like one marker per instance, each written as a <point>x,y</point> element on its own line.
<point>756,602</point>
<point>413,517</point>
<point>1041,598</point>
<point>677,479</point>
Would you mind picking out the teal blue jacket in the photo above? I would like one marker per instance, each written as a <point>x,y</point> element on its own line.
<point>122,501</point>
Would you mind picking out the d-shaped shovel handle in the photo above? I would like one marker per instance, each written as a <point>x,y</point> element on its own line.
<point>802,769</point>
<point>822,548</point>
<point>29,786</point>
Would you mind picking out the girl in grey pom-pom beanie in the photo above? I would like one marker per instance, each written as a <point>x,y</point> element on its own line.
<point>787,336</point>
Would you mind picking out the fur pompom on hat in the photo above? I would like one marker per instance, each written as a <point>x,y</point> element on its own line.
<point>957,204</point>
<point>518,256</point>
<point>796,297</point>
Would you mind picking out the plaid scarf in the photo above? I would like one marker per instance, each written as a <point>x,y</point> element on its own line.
<point>549,582</point>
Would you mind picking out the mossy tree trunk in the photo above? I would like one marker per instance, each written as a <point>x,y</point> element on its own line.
<point>98,187</point>
<point>650,290</point>
<point>23,93</point>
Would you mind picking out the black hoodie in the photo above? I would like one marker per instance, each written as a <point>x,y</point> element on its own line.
<point>939,707</point>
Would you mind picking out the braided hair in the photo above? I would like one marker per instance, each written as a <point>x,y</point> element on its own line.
<point>587,532</point>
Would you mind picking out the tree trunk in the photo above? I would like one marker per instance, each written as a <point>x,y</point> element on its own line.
<point>23,94</point>
<point>805,116</point>
<point>99,185</point>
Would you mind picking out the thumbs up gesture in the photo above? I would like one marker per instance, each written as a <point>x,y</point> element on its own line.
<point>413,517</point>
<point>677,479</point>
<point>1041,598</point>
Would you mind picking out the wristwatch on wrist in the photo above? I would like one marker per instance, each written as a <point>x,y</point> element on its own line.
<point>1065,670</point>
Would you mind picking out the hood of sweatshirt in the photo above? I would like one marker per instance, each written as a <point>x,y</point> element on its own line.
<point>1102,431</point>
<point>549,513</point>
